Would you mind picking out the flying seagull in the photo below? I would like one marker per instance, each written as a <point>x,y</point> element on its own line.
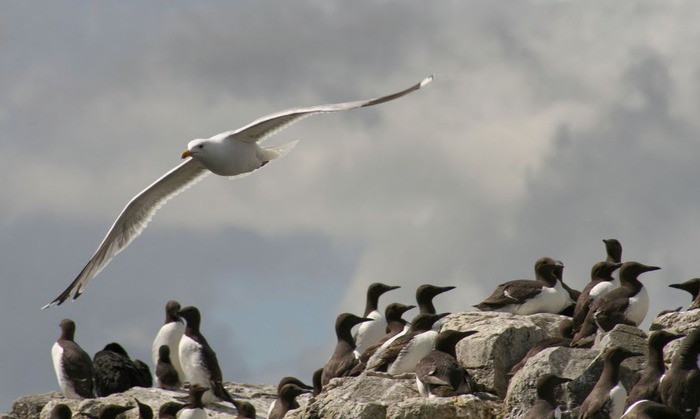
<point>231,153</point>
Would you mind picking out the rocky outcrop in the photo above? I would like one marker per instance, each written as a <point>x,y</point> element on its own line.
<point>503,339</point>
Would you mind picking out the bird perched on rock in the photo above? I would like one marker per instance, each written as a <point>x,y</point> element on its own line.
<point>198,359</point>
<point>522,296</point>
<point>245,409</point>
<point>316,379</point>
<point>601,283</point>
<point>145,411</point>
<point>110,411</point>
<point>563,338</point>
<point>60,411</point>
<point>647,387</point>
<point>440,370</point>
<point>169,335</point>
<point>194,408</point>
<point>286,400</point>
<point>169,410</point>
<point>607,399</point>
<point>396,326</point>
<point>72,364</point>
<point>166,375</point>
<point>546,407</point>
<point>115,372</point>
<point>343,360</point>
<point>292,403</point>
<point>230,153</point>
<point>627,304</point>
<point>370,332</point>
<point>680,386</point>
<point>693,287</point>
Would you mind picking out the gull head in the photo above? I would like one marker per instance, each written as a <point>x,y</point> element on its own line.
<point>195,147</point>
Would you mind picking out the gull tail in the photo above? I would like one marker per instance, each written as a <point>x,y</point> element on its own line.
<point>277,152</point>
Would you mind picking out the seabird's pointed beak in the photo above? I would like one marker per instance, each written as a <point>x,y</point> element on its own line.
<point>678,286</point>
<point>651,268</point>
<point>186,154</point>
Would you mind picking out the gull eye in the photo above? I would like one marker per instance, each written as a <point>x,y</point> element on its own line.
<point>201,146</point>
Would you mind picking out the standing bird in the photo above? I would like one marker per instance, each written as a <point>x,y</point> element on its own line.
<point>693,287</point>
<point>284,381</point>
<point>396,326</point>
<point>370,332</point>
<point>522,296</point>
<point>546,406</point>
<point>607,399</point>
<point>60,411</point>
<point>403,354</point>
<point>72,364</point>
<point>286,400</point>
<point>194,408</point>
<point>343,360</point>
<point>563,339</point>
<point>439,372</point>
<point>613,249</point>
<point>169,410</point>
<point>230,153</point>
<point>115,372</point>
<point>166,375</point>
<point>647,387</point>
<point>680,386</point>
<point>601,283</point>
<point>627,304</point>
<point>170,334</point>
<point>198,359</point>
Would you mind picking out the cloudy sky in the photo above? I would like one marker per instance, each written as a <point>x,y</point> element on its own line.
<point>550,126</point>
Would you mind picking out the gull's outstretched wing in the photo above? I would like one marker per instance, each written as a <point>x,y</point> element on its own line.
<point>133,220</point>
<point>268,125</point>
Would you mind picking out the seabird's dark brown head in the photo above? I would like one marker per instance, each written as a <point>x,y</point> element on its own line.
<point>692,286</point>
<point>603,270</point>
<point>424,321</point>
<point>613,249</point>
<point>169,410</point>
<point>548,270</point>
<point>245,409</point>
<point>394,311</point>
<point>60,411</point>
<point>447,340</point>
<point>661,338</point>
<point>291,380</point>
<point>426,293</point>
<point>67,330</point>
<point>171,311</point>
<point>546,384</point>
<point>374,291</point>
<point>192,317</point>
<point>630,271</point>
<point>194,396</point>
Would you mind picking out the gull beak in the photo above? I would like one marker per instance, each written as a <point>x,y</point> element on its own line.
<point>186,154</point>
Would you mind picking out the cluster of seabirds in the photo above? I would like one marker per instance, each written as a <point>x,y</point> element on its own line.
<point>182,358</point>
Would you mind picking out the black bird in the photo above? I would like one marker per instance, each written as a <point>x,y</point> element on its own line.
<point>601,283</point>
<point>370,332</point>
<point>199,359</point>
<point>395,325</point>
<point>693,287</point>
<point>169,410</point>
<point>627,304</point>
<point>115,372</point>
<point>72,364</point>
<point>60,411</point>
<point>343,360</point>
<point>607,399</point>
<point>680,386</point>
<point>546,406</point>
<point>425,294</point>
<point>613,248</point>
<point>245,409</point>
<point>145,411</point>
<point>286,400</point>
<point>166,374</point>
<point>523,296</point>
<point>647,409</point>
<point>316,381</point>
<point>563,338</point>
<point>284,381</point>
<point>647,387</point>
<point>440,368</point>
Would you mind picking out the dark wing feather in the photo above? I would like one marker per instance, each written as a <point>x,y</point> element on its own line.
<point>77,366</point>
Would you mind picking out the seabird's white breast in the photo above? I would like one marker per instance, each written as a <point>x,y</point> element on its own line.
<point>192,414</point>
<point>66,385</point>
<point>618,395</point>
<point>170,335</point>
<point>414,351</point>
<point>374,359</point>
<point>638,307</point>
<point>603,288</point>
<point>370,332</point>
<point>550,300</point>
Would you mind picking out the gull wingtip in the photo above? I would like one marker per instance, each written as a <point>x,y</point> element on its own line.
<point>427,80</point>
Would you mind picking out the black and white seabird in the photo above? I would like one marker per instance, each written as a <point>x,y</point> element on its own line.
<point>72,364</point>
<point>563,338</point>
<point>245,409</point>
<point>286,400</point>
<point>647,409</point>
<point>198,359</point>
<point>573,293</point>
<point>402,355</point>
<point>601,283</point>
<point>546,406</point>
<point>647,387</point>
<point>115,372</point>
<point>613,249</point>
<point>425,294</point>
<point>194,408</point>
<point>396,326</point>
<point>680,386</point>
<point>170,334</point>
<point>343,360</point>
<point>627,304</point>
<point>169,410</point>
<point>607,399</point>
<point>316,378</point>
<point>523,296</point>
<point>288,380</point>
<point>440,368</point>
<point>693,287</point>
<point>60,411</point>
<point>166,375</point>
<point>370,332</point>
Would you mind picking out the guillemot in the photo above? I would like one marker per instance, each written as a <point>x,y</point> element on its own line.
<point>403,354</point>
<point>292,403</point>
<point>110,411</point>
<point>440,368</point>
<point>613,249</point>
<point>198,359</point>
<point>647,387</point>
<point>72,364</point>
<point>627,304</point>
<point>169,410</point>
<point>145,411</point>
<point>601,283</point>
<point>396,326</point>
<point>647,409</point>
<point>170,334</point>
<point>166,375</point>
<point>316,381</point>
<point>194,408</point>
<point>343,360</point>
<point>60,411</point>
<point>245,410</point>
<point>607,399</point>
<point>286,400</point>
<point>546,406</point>
<point>114,372</point>
<point>563,338</point>
<point>680,386</point>
<point>574,294</point>
<point>425,294</point>
<point>522,296</point>
<point>370,332</point>
<point>693,287</point>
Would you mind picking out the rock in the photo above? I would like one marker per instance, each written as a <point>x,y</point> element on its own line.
<point>677,322</point>
<point>502,341</point>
